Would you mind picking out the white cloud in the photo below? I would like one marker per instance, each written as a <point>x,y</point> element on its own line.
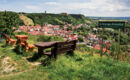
<point>32,7</point>
<point>86,7</point>
<point>52,3</point>
<point>92,7</point>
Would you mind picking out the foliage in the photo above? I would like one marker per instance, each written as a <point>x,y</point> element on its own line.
<point>81,31</point>
<point>80,38</point>
<point>128,24</point>
<point>21,33</point>
<point>69,28</point>
<point>45,38</point>
<point>113,48</point>
<point>8,20</point>
<point>83,47</point>
<point>19,50</point>
<point>124,48</point>
<point>82,66</point>
<point>55,19</point>
<point>15,58</point>
<point>113,35</point>
<point>105,37</point>
<point>123,38</point>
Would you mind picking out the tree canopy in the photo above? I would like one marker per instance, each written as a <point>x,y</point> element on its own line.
<point>56,19</point>
<point>8,20</point>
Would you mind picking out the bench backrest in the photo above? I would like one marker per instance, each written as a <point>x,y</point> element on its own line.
<point>62,47</point>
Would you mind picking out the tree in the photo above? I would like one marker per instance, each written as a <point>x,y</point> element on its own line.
<point>80,38</point>
<point>8,20</point>
<point>69,28</point>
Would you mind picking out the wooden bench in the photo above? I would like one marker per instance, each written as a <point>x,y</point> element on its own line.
<point>21,39</point>
<point>9,40</point>
<point>64,47</point>
<point>57,48</point>
<point>28,47</point>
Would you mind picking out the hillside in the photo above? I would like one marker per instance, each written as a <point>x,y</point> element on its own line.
<point>27,21</point>
<point>42,18</point>
<point>81,66</point>
<point>60,19</point>
<point>109,18</point>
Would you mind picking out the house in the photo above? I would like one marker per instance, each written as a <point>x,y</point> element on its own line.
<point>64,13</point>
<point>98,47</point>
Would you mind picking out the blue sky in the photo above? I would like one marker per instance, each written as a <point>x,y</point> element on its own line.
<point>87,7</point>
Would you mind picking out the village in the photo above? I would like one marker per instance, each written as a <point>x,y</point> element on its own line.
<point>91,41</point>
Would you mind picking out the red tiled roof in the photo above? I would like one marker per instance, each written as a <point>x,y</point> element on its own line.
<point>92,36</point>
<point>97,47</point>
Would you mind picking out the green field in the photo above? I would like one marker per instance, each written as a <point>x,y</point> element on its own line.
<point>81,66</point>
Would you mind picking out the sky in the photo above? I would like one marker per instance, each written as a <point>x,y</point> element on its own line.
<point>106,8</point>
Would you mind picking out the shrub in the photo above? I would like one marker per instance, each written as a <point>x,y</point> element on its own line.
<point>113,48</point>
<point>7,21</point>
<point>83,47</point>
<point>21,33</point>
<point>45,38</point>
<point>56,38</point>
<point>80,38</point>
<point>124,48</point>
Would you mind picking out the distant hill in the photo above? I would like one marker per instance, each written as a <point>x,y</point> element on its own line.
<point>109,18</point>
<point>30,19</point>
<point>57,19</point>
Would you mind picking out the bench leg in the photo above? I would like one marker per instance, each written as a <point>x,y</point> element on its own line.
<point>55,56</point>
<point>71,53</point>
<point>40,51</point>
<point>14,43</point>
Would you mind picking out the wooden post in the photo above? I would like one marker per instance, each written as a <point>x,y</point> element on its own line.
<point>102,42</point>
<point>118,43</point>
<point>40,51</point>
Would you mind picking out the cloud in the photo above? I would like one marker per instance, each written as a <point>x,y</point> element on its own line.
<point>92,7</point>
<point>86,7</point>
<point>51,3</point>
<point>32,7</point>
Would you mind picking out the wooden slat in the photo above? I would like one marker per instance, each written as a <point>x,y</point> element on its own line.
<point>48,53</point>
<point>62,46</point>
<point>65,44</point>
<point>65,49</point>
<point>45,44</point>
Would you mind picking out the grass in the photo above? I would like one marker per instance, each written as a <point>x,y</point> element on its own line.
<point>27,21</point>
<point>81,66</point>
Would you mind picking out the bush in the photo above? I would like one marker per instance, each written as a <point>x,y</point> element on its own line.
<point>19,50</point>
<point>80,38</point>
<point>7,21</point>
<point>83,47</point>
<point>124,48</point>
<point>113,48</point>
<point>56,19</point>
<point>21,33</point>
<point>45,38</point>
<point>56,38</point>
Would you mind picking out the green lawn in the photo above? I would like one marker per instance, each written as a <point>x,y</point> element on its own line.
<point>81,66</point>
